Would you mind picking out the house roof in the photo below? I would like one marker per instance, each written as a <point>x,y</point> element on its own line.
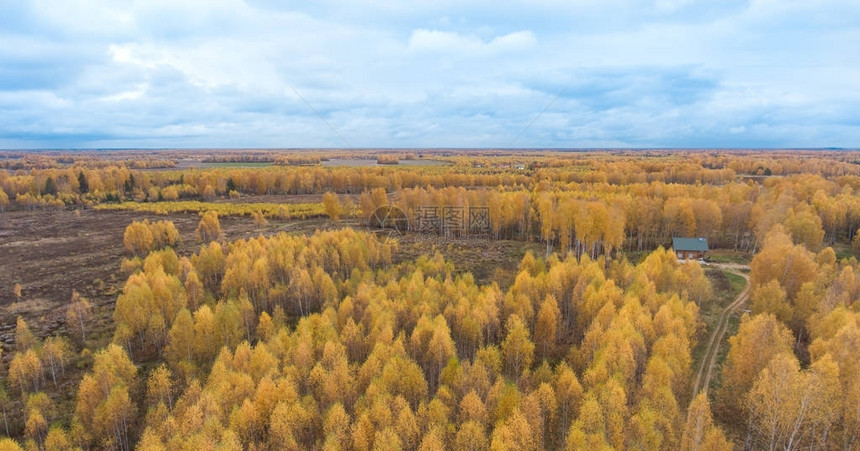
<point>690,244</point>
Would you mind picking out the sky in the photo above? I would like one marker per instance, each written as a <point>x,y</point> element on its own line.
<point>429,73</point>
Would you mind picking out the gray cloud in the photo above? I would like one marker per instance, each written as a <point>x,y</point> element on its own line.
<point>677,73</point>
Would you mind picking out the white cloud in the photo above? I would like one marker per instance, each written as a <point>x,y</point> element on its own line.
<point>208,65</point>
<point>668,6</point>
<point>423,40</point>
<point>134,94</point>
<point>431,73</point>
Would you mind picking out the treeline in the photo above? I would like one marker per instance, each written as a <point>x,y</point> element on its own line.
<point>26,162</point>
<point>266,209</point>
<point>117,183</point>
<point>585,217</point>
<point>113,177</point>
<point>597,219</point>
<point>755,163</point>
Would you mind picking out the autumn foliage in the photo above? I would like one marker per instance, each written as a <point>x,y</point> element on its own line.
<point>209,228</point>
<point>412,353</point>
<point>141,237</point>
<point>336,340</point>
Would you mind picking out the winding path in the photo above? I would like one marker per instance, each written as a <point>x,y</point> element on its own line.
<point>703,377</point>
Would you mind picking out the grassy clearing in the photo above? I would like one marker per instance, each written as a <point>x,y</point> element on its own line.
<point>844,251</point>
<point>489,261</point>
<point>268,209</point>
<point>729,256</point>
<point>636,257</point>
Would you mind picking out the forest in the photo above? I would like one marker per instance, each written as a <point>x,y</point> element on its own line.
<point>251,301</point>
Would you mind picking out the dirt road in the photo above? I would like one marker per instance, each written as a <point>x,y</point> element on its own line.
<point>703,376</point>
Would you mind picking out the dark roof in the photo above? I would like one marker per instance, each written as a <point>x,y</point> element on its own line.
<point>690,244</point>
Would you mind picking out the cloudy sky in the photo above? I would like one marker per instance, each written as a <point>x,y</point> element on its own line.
<point>429,73</point>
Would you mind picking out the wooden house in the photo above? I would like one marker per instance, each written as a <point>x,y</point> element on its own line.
<point>690,248</point>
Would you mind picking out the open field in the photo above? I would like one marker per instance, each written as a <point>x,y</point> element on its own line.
<point>187,164</point>
<point>729,256</point>
<point>249,164</point>
<point>356,162</point>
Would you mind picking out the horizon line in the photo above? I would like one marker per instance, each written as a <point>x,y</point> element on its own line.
<point>371,149</point>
